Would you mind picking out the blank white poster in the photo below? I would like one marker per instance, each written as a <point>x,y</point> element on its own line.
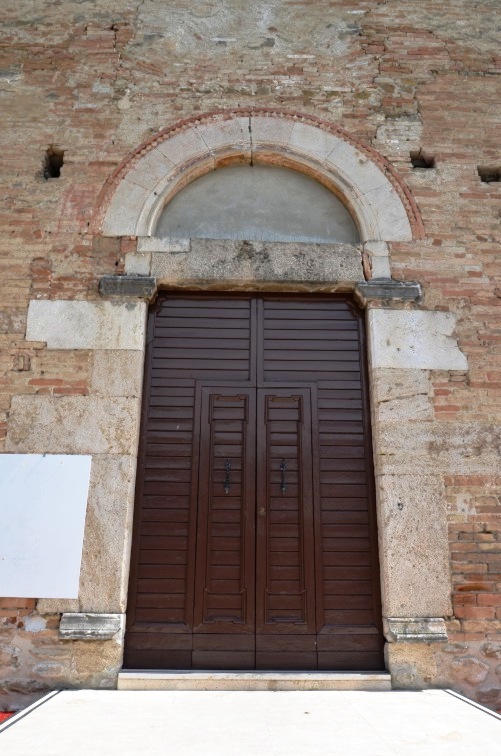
<point>43,499</point>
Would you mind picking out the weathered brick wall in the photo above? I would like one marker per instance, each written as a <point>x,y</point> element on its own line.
<point>33,659</point>
<point>96,79</point>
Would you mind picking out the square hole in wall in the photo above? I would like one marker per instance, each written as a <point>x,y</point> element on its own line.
<point>53,162</point>
<point>421,159</point>
<point>489,174</point>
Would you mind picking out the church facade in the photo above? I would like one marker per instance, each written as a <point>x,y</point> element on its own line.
<point>250,387</point>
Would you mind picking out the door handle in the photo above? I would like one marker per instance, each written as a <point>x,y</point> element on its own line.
<point>227,467</point>
<point>283,468</point>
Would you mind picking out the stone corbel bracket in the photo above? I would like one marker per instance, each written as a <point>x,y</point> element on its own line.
<point>386,290</point>
<point>128,286</point>
<point>415,630</point>
<point>99,627</point>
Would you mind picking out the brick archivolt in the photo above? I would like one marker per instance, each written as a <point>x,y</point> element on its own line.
<point>134,196</point>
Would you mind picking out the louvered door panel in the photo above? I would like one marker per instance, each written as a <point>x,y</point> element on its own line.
<point>321,342</point>
<point>190,339</point>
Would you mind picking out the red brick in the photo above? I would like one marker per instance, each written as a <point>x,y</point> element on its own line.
<point>474,612</point>
<point>17,603</point>
<point>489,599</point>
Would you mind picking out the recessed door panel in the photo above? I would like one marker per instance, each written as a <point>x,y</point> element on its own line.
<point>224,584</point>
<point>285,594</point>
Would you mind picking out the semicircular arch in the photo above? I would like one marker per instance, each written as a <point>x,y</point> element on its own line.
<point>135,195</point>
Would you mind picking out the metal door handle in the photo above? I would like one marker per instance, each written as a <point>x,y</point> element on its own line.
<point>227,467</point>
<point>283,468</point>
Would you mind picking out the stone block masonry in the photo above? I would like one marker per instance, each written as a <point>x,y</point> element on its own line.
<point>98,80</point>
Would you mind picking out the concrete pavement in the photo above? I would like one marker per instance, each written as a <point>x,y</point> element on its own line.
<point>252,723</point>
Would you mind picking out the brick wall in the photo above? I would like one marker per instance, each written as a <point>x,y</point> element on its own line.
<point>403,75</point>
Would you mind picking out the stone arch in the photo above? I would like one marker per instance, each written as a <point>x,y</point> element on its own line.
<point>135,195</point>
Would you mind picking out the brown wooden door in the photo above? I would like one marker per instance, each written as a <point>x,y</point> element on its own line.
<point>254,540</point>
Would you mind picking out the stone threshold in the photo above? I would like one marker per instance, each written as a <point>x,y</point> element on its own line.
<point>245,680</point>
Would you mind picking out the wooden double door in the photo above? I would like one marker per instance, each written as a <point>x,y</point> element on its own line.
<point>254,540</point>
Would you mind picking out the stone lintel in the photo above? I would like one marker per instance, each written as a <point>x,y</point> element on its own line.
<point>240,262</point>
<point>78,626</point>
<point>415,629</point>
<point>387,290</point>
<point>128,286</point>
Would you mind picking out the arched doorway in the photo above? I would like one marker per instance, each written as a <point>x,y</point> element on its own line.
<point>134,200</point>
<point>255,540</point>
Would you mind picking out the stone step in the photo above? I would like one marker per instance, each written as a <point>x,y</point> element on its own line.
<point>245,680</point>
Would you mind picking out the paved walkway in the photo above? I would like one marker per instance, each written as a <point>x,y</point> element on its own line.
<point>241,723</point>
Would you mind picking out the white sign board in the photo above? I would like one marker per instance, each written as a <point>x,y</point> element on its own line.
<point>43,499</point>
